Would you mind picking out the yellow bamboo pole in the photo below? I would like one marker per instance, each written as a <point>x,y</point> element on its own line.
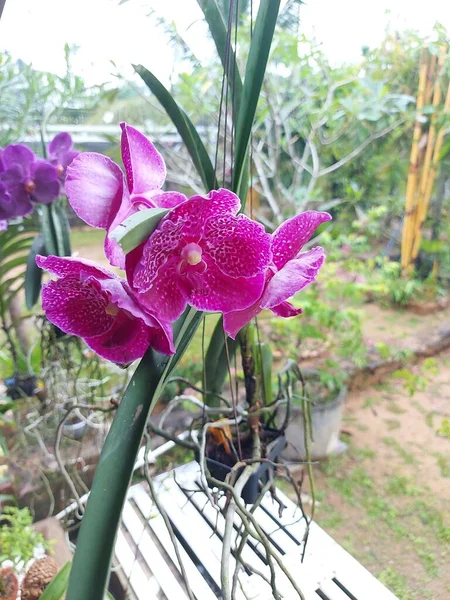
<point>430,181</point>
<point>421,208</point>
<point>413,168</point>
<point>430,80</point>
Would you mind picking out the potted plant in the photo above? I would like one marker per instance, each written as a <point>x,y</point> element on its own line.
<point>318,412</point>
<point>233,440</point>
<point>9,584</point>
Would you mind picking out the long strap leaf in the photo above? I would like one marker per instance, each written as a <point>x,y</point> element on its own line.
<point>95,544</point>
<point>218,30</point>
<point>254,75</point>
<point>184,126</point>
<point>56,588</point>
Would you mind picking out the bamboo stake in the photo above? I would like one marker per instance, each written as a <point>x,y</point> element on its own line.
<point>431,179</point>
<point>421,208</point>
<point>430,80</point>
<point>413,167</point>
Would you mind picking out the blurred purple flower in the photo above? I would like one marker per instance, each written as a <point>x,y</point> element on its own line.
<point>60,153</point>
<point>290,271</point>
<point>101,195</point>
<point>3,225</point>
<point>23,179</point>
<point>98,306</point>
<point>202,254</point>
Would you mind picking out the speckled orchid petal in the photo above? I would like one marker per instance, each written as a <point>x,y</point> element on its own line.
<point>238,246</point>
<point>98,306</point>
<point>95,188</point>
<point>124,344</point>
<point>167,295</point>
<point>202,254</point>
<point>216,292</point>
<point>292,235</point>
<point>77,307</point>
<point>168,199</point>
<point>293,277</point>
<point>61,267</point>
<point>144,165</point>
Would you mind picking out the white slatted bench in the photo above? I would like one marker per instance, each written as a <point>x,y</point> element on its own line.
<point>148,563</point>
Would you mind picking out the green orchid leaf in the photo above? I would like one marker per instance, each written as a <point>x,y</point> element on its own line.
<point>33,274</point>
<point>58,585</point>
<point>137,228</point>
<point>184,126</point>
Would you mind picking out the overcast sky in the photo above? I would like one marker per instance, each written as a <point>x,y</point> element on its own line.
<point>104,30</point>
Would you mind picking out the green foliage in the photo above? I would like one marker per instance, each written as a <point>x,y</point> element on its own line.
<point>396,582</point>
<point>444,429</point>
<point>57,587</point>
<point>17,538</point>
<point>137,228</point>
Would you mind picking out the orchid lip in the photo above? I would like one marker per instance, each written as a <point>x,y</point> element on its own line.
<point>30,186</point>
<point>192,254</point>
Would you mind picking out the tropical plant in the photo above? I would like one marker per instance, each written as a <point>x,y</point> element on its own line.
<point>18,540</point>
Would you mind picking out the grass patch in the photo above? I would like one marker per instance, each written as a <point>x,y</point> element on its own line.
<point>399,485</point>
<point>393,443</point>
<point>87,237</point>
<point>396,582</point>
<point>443,462</point>
<point>392,424</point>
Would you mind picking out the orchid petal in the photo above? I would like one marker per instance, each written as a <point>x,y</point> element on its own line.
<point>238,246</point>
<point>18,154</point>
<point>60,144</point>
<point>76,307</point>
<point>144,165</point>
<point>234,321</point>
<point>124,344</point>
<point>292,235</point>
<point>167,296</point>
<point>47,185</point>
<point>168,199</point>
<point>294,276</point>
<point>216,292</point>
<point>63,266</point>
<point>286,310</point>
<point>95,188</point>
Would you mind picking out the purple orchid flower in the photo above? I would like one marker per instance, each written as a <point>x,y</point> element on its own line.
<point>95,304</point>
<point>201,254</point>
<point>24,179</point>
<point>290,272</point>
<point>101,195</point>
<point>60,153</point>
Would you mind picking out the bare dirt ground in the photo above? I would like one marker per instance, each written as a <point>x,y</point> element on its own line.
<point>387,499</point>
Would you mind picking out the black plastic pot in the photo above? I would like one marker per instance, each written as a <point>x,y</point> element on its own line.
<point>252,488</point>
<point>21,385</point>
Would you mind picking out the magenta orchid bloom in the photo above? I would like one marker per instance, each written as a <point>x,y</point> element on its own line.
<point>98,306</point>
<point>202,254</point>
<point>61,153</point>
<point>101,195</point>
<point>291,270</point>
<point>23,179</point>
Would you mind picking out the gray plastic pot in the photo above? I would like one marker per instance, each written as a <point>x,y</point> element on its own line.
<point>326,423</point>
